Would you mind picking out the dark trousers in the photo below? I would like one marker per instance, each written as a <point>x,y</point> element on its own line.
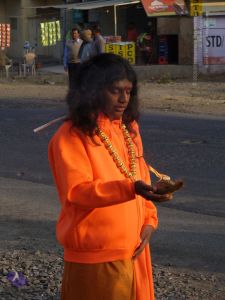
<point>72,73</point>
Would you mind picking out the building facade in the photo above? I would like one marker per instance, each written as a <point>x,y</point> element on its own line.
<point>194,37</point>
<point>25,26</point>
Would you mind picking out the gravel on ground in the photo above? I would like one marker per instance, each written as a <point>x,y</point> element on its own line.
<point>43,273</point>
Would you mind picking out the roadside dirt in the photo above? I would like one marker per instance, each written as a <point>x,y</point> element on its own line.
<point>201,97</point>
<point>184,97</point>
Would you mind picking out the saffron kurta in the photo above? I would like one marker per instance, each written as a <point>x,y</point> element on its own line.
<point>101,216</point>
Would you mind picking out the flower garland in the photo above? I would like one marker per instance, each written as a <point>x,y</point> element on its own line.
<point>131,173</point>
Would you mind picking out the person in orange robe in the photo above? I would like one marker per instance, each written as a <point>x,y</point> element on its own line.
<point>107,213</point>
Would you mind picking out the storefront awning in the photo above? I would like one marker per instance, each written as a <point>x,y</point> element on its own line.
<point>90,4</point>
<point>93,5</point>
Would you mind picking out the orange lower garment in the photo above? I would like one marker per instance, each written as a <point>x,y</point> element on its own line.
<point>118,280</point>
<point>143,276</point>
<point>102,281</point>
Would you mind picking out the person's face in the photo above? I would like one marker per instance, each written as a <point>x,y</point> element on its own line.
<point>117,97</point>
<point>75,35</point>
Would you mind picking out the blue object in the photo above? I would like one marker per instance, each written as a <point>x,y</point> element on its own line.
<point>17,279</point>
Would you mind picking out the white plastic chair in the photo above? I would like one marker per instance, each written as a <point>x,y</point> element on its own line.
<point>7,67</point>
<point>29,63</point>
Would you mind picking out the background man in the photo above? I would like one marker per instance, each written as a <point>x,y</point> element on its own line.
<point>99,42</point>
<point>71,60</point>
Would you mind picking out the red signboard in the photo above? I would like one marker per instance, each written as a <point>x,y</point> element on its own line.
<point>164,7</point>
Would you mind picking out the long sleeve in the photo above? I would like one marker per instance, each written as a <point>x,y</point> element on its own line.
<point>150,214</point>
<point>65,57</point>
<point>73,173</point>
<point>150,209</point>
<point>101,45</point>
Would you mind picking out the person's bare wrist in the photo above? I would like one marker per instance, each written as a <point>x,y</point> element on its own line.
<point>137,186</point>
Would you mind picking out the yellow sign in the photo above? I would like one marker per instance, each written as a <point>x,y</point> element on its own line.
<point>126,50</point>
<point>195,8</point>
<point>130,52</point>
<point>110,48</point>
<point>121,50</point>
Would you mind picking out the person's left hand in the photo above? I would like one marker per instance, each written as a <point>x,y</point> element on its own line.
<point>146,234</point>
<point>149,192</point>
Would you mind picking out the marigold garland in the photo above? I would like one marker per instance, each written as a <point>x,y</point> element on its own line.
<point>131,173</point>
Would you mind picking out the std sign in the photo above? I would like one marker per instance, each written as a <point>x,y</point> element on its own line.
<point>214,46</point>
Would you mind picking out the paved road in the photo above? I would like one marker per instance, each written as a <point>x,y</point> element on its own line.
<point>191,232</point>
<point>192,148</point>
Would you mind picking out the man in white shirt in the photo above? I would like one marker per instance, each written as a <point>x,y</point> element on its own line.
<point>71,60</point>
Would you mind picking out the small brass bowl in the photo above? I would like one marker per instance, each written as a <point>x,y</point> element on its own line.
<point>168,186</point>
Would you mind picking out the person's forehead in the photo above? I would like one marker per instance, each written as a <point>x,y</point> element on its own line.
<point>122,83</point>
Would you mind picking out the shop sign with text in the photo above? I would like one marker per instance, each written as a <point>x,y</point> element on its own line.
<point>124,49</point>
<point>164,7</point>
<point>214,46</point>
<point>196,8</point>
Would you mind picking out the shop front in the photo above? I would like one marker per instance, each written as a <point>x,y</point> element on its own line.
<point>162,33</point>
<point>209,29</point>
<point>211,51</point>
<point>147,32</point>
<point>45,34</point>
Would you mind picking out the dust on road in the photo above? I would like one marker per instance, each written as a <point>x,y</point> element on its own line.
<point>201,97</point>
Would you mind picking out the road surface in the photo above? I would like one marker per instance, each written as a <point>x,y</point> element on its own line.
<point>191,232</point>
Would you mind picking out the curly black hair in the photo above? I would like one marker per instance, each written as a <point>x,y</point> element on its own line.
<point>85,98</point>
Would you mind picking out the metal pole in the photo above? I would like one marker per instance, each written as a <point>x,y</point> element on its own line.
<point>64,18</point>
<point>115,20</point>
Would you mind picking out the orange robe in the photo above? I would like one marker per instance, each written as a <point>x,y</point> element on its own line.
<point>105,281</point>
<point>101,216</point>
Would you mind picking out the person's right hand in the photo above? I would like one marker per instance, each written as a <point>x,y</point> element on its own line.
<point>148,192</point>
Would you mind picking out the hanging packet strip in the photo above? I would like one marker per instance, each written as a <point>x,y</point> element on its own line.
<point>5,34</point>
<point>50,33</point>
